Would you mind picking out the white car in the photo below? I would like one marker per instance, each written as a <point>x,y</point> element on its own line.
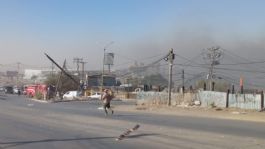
<point>95,95</point>
<point>70,95</point>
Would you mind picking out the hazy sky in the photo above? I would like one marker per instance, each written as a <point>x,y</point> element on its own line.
<point>138,28</point>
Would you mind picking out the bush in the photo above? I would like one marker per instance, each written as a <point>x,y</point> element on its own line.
<point>39,95</point>
<point>213,104</point>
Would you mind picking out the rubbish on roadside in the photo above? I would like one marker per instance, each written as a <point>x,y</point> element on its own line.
<point>197,103</point>
<point>100,108</point>
<point>218,109</point>
<point>236,112</point>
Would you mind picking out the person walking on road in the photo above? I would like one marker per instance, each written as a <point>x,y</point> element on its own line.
<point>107,97</point>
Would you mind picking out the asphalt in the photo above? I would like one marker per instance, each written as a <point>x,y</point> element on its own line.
<point>80,124</point>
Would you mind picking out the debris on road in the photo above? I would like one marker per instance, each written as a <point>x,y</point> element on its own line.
<point>30,104</point>
<point>126,133</point>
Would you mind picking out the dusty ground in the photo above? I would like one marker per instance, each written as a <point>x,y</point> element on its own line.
<point>229,113</point>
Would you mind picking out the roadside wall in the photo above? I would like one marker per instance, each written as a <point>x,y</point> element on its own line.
<point>245,101</point>
<point>209,98</point>
<point>157,98</point>
<point>206,98</point>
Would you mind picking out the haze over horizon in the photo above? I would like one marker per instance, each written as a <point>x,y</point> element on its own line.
<point>138,29</point>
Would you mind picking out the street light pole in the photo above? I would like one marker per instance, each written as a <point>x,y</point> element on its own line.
<point>102,77</point>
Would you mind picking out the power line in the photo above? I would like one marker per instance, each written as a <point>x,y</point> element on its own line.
<point>245,59</point>
<point>137,60</point>
<point>256,62</point>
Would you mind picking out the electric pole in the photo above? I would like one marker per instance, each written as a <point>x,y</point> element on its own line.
<point>83,70</point>
<point>170,59</point>
<point>52,68</point>
<point>183,80</point>
<point>18,68</point>
<point>213,55</point>
<point>77,61</point>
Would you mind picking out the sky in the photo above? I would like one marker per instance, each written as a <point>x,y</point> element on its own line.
<point>137,29</point>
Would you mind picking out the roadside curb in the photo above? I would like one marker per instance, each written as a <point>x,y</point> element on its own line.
<point>40,101</point>
<point>232,114</point>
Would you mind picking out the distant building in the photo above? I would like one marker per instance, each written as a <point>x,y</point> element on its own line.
<point>29,73</point>
<point>11,74</point>
<point>38,75</point>
<point>95,80</point>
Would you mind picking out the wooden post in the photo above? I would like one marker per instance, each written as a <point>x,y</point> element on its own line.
<point>204,86</point>
<point>233,89</point>
<point>227,98</point>
<point>241,85</point>
<point>213,85</point>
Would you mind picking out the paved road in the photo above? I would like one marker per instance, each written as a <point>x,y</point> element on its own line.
<point>26,124</point>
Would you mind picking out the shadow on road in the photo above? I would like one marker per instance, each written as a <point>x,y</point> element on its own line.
<point>124,115</point>
<point>3,97</point>
<point>5,145</point>
<point>143,135</point>
<point>19,143</point>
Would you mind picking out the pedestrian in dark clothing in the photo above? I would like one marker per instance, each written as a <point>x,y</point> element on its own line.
<point>107,97</point>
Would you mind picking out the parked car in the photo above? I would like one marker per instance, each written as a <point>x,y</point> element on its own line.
<point>2,89</point>
<point>9,90</point>
<point>70,95</point>
<point>95,95</point>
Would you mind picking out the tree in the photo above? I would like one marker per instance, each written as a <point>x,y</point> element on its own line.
<point>34,77</point>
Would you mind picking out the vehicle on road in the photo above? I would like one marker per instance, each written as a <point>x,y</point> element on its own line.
<point>9,90</point>
<point>95,95</point>
<point>31,90</point>
<point>70,95</point>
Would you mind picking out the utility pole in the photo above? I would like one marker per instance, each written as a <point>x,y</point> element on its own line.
<point>102,76</point>
<point>213,55</point>
<point>170,59</point>
<point>183,80</point>
<point>52,68</point>
<point>77,61</point>
<point>83,70</point>
<point>18,68</point>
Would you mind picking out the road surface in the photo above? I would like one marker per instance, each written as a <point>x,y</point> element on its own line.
<point>26,124</point>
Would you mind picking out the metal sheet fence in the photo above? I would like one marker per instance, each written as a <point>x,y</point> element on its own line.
<point>207,98</point>
<point>245,101</point>
<point>210,98</point>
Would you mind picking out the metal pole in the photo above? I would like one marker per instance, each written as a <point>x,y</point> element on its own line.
<point>102,77</point>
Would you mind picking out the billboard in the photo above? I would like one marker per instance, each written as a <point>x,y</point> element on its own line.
<point>109,59</point>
